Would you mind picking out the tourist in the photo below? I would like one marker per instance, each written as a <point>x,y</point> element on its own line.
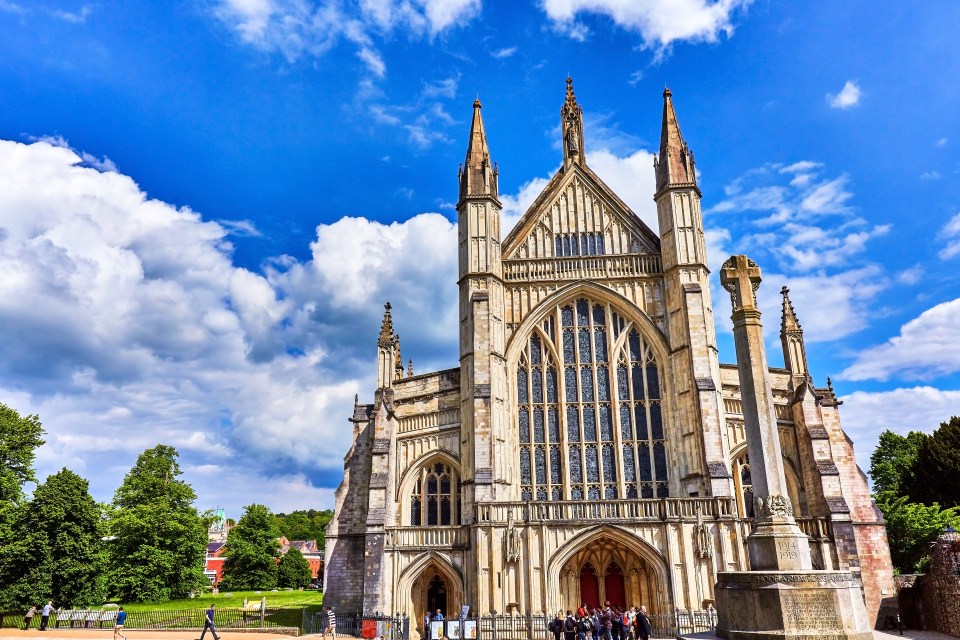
<point>595,622</point>
<point>583,625</point>
<point>569,627</point>
<point>438,616</point>
<point>331,627</point>
<point>556,625</point>
<point>45,615</point>
<point>616,624</point>
<point>208,623</point>
<point>118,624</point>
<point>644,628</point>
<point>606,623</point>
<point>28,618</point>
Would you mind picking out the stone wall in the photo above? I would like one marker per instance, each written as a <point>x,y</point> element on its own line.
<point>940,588</point>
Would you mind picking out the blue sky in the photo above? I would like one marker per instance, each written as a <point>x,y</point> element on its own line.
<point>204,203</point>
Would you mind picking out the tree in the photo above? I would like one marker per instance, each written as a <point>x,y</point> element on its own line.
<point>20,437</point>
<point>305,525</point>
<point>159,540</point>
<point>56,551</point>
<point>294,570</point>
<point>936,472</point>
<point>252,549</point>
<point>892,462</point>
<point>911,527</point>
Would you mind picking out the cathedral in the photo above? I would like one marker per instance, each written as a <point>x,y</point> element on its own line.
<point>589,446</point>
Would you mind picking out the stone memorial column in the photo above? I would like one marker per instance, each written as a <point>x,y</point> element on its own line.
<point>776,542</point>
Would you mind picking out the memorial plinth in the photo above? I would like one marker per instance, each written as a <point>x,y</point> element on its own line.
<point>781,597</point>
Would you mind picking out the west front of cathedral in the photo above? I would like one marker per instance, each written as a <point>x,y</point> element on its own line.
<point>589,446</point>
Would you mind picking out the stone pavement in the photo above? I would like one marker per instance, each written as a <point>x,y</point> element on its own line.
<point>908,634</point>
<point>135,634</point>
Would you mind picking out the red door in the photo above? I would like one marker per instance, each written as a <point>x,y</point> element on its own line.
<point>613,581</point>
<point>589,587</point>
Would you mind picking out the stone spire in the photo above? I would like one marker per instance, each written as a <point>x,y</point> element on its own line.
<point>386,328</point>
<point>791,338</point>
<point>571,124</point>
<point>675,165</point>
<point>477,176</point>
<point>410,368</point>
<point>398,367</point>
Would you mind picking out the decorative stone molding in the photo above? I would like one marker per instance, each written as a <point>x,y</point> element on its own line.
<point>773,506</point>
<point>827,468</point>
<point>837,504</point>
<point>378,480</point>
<point>818,433</point>
<point>481,391</point>
<point>717,469</point>
<point>706,384</point>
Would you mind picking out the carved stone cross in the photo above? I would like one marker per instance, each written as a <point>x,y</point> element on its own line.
<point>741,277</point>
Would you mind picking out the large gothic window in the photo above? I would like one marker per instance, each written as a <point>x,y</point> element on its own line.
<point>588,409</point>
<point>435,496</point>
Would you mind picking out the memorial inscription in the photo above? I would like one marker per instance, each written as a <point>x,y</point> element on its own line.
<point>813,611</point>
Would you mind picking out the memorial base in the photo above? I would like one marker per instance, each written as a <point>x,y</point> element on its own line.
<point>788,605</point>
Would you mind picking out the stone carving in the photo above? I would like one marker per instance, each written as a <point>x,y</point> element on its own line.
<point>702,539</point>
<point>813,611</point>
<point>772,507</point>
<point>512,540</point>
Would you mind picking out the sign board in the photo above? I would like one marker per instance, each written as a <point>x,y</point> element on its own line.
<point>453,629</point>
<point>464,610</point>
<point>470,630</point>
<point>369,629</point>
<point>436,629</point>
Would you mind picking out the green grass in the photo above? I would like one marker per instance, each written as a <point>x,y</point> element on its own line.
<point>310,599</point>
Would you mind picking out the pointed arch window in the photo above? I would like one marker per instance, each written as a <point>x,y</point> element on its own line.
<point>435,498</point>
<point>597,431</point>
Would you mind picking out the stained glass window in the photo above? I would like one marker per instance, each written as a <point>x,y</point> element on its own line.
<point>610,430</point>
<point>435,496</point>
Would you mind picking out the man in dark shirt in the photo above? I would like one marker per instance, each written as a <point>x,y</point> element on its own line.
<point>208,624</point>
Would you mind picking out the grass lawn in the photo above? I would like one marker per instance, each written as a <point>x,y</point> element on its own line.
<point>308,598</point>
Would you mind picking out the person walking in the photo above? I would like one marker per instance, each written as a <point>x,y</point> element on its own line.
<point>28,617</point>
<point>569,627</point>
<point>45,615</point>
<point>208,623</point>
<point>331,627</point>
<point>118,624</point>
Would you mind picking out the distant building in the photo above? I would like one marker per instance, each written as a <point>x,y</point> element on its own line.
<point>213,569</point>
<point>313,554</point>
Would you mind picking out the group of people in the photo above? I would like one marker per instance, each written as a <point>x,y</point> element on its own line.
<point>608,623</point>
<point>44,616</point>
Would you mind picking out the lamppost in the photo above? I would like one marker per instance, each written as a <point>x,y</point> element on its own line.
<point>950,537</point>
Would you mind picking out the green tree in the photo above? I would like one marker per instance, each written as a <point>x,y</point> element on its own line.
<point>252,550</point>
<point>305,525</point>
<point>935,477</point>
<point>294,570</point>
<point>159,540</point>
<point>57,552</point>
<point>911,527</point>
<point>20,437</point>
<point>892,462</point>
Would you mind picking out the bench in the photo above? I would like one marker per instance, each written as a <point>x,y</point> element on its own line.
<point>85,617</point>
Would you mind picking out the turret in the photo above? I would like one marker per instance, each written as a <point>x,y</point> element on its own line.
<point>386,344</point>
<point>477,176</point>
<point>791,338</point>
<point>675,165</point>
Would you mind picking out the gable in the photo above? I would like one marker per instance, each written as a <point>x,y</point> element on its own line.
<point>577,214</point>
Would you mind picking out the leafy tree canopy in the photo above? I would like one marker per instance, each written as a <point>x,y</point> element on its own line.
<point>893,460</point>
<point>159,540</point>
<point>911,527</point>
<point>294,570</point>
<point>252,549</point>
<point>936,472</point>
<point>305,525</point>
<point>20,437</point>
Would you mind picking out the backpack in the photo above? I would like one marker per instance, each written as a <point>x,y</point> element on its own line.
<point>587,624</point>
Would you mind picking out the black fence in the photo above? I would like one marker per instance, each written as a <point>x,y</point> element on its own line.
<point>227,618</point>
<point>496,627</point>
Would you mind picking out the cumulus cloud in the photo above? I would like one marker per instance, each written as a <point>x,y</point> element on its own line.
<point>127,324</point>
<point>924,349</point>
<point>847,97</point>
<point>865,415</point>
<point>659,24</point>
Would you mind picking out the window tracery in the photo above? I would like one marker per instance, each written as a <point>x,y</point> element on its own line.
<point>602,381</point>
<point>435,498</point>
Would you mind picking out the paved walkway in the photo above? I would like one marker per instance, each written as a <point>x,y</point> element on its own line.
<point>908,634</point>
<point>134,634</point>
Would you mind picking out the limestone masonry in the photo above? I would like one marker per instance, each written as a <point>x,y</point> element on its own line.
<point>589,446</point>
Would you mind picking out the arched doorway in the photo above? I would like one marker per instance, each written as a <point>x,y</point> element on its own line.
<point>610,564</point>
<point>437,595</point>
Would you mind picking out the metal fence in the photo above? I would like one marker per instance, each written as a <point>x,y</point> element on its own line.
<point>497,627</point>
<point>225,618</point>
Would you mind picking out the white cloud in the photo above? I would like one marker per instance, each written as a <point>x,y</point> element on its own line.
<point>865,415</point>
<point>76,17</point>
<point>924,349</point>
<point>913,275</point>
<point>930,175</point>
<point>848,96</point>
<point>126,324</point>
<point>374,61</point>
<point>942,142</point>
<point>658,23</point>
<point>505,52</point>
<point>951,233</point>
<point>12,7</point>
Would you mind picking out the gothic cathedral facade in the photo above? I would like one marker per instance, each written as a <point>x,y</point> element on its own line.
<point>590,445</point>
